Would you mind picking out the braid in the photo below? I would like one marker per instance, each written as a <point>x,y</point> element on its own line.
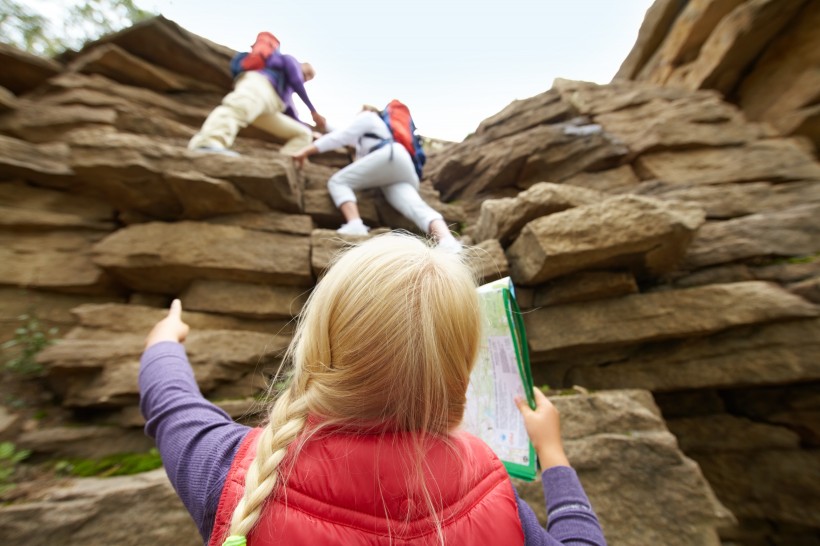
<point>285,423</point>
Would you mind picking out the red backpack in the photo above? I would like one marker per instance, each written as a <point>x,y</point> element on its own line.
<point>266,44</point>
<point>397,117</point>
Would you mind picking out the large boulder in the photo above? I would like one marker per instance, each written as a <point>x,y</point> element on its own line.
<point>642,487</point>
<point>645,235</point>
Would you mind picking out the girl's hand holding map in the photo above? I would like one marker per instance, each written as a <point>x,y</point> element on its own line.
<point>544,429</point>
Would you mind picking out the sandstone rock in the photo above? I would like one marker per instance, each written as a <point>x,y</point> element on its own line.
<point>768,161</point>
<point>791,232</point>
<point>502,219</point>
<point>202,196</point>
<point>126,510</point>
<point>28,208</point>
<point>275,222</point>
<point>98,91</point>
<point>655,26</point>
<point>7,100</point>
<point>272,181</point>
<point>783,488</point>
<point>39,163</point>
<point>645,235</point>
<point>102,372</point>
<point>37,123</point>
<point>23,71</point>
<point>674,314</point>
<point>617,441</point>
<point>803,121</point>
<point>808,289</point>
<point>787,271</point>
<point>733,200</point>
<point>722,433</point>
<point>245,300</point>
<point>545,152</point>
<point>195,57</point>
<point>165,258</point>
<point>735,43</point>
<point>51,309</point>
<point>55,260</point>
<point>592,99</point>
<point>697,121</point>
<point>773,354</point>
<point>691,29</point>
<point>85,442</point>
<point>723,274</point>
<point>100,320</point>
<point>128,170</point>
<point>521,115</point>
<point>119,65</point>
<point>608,181</point>
<point>9,424</point>
<point>783,79</point>
<point>585,286</point>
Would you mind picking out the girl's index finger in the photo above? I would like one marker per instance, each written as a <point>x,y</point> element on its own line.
<point>176,309</point>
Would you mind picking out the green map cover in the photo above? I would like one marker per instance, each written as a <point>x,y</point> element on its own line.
<point>501,372</point>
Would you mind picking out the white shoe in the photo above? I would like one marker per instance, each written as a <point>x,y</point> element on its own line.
<point>451,244</point>
<point>217,150</point>
<point>353,229</point>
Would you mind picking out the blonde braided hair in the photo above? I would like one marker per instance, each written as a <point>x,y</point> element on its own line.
<point>388,336</point>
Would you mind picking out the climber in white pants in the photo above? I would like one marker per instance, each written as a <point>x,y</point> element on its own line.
<point>388,167</point>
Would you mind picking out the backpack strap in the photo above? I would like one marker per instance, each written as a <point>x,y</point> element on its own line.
<point>381,144</point>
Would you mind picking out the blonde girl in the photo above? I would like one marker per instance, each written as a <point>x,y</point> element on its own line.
<point>363,446</point>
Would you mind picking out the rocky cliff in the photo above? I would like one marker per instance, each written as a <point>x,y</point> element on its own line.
<point>762,55</point>
<point>665,249</point>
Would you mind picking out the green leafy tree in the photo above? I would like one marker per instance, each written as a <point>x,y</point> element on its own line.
<point>79,22</point>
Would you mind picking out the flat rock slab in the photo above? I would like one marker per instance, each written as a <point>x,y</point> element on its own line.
<point>645,235</point>
<point>125,510</point>
<point>727,201</point>
<point>542,153</point>
<point>101,371</point>
<point>260,301</point>
<point>790,232</point>
<point>166,258</point>
<point>764,355</point>
<point>22,71</point>
<point>641,318</point>
<point>46,163</point>
<point>761,161</point>
<point>194,56</point>
<point>53,260</point>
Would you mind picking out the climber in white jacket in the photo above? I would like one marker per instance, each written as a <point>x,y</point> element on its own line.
<point>388,167</point>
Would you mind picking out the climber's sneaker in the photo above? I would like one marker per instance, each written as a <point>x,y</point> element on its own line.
<point>216,150</point>
<point>357,228</point>
<point>451,244</point>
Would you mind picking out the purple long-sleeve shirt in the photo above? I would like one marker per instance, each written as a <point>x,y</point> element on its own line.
<point>285,74</point>
<point>197,441</point>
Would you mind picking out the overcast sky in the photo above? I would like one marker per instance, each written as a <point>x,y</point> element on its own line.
<point>453,63</point>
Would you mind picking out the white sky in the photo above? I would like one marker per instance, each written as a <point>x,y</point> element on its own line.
<point>453,63</point>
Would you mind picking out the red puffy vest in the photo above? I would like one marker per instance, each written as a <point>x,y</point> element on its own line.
<point>352,490</point>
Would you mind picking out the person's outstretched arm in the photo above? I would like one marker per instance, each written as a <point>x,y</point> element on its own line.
<point>196,439</point>
<point>570,518</point>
